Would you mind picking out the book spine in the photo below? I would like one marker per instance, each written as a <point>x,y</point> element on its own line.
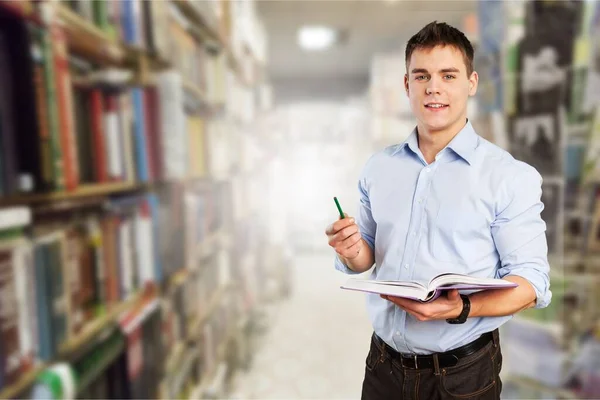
<point>51,102</point>
<point>42,108</point>
<point>59,298</point>
<point>126,118</point>
<point>129,22</point>
<point>8,107</point>
<point>101,14</point>
<point>9,318</point>
<point>151,128</point>
<point>72,250</point>
<point>66,110</point>
<point>99,145</point>
<point>96,242</point>
<point>154,205</point>
<point>111,131</point>
<point>43,305</point>
<point>31,300</point>
<point>140,135</point>
<point>110,261</point>
<point>85,156</point>
<point>24,289</point>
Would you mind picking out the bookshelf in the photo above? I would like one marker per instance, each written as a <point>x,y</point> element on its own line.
<point>73,345</point>
<point>127,176</point>
<point>567,328</point>
<point>82,192</point>
<point>88,40</point>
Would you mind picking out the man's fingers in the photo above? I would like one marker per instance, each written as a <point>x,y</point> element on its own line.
<point>329,229</point>
<point>342,223</point>
<point>352,251</point>
<point>339,225</point>
<point>406,304</point>
<point>344,234</point>
<point>351,240</point>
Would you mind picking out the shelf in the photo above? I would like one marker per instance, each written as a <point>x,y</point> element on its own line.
<point>95,327</point>
<point>200,24</point>
<point>22,384</point>
<point>87,40</point>
<point>89,331</point>
<point>83,191</point>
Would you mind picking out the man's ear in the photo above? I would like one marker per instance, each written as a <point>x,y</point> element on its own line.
<point>406,83</point>
<point>473,83</point>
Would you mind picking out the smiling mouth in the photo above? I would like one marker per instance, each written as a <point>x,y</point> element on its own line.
<point>436,106</point>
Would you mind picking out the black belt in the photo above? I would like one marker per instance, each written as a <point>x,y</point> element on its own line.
<point>447,359</point>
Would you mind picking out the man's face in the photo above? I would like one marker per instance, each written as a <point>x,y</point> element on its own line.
<point>438,87</point>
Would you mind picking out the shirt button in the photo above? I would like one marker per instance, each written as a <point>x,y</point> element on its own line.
<point>420,201</point>
<point>397,333</point>
<point>406,266</point>
<point>426,169</point>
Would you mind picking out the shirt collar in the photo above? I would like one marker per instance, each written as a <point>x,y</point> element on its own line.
<point>463,144</point>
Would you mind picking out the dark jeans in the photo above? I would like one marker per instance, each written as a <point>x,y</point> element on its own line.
<point>475,376</point>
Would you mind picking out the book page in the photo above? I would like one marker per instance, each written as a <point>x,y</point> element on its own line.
<point>400,283</point>
<point>378,287</point>
<point>459,281</point>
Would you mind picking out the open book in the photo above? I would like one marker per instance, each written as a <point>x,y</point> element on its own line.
<point>426,293</point>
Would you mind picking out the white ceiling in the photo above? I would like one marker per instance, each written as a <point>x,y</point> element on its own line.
<point>372,26</point>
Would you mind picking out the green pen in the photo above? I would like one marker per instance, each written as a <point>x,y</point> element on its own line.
<point>337,204</point>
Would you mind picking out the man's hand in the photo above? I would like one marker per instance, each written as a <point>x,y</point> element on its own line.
<point>441,308</point>
<point>344,236</point>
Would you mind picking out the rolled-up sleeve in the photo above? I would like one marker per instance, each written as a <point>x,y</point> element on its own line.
<point>364,220</point>
<point>520,233</point>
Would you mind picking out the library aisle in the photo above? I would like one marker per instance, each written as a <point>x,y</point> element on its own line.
<point>317,341</point>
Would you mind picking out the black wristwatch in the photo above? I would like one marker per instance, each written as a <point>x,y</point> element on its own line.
<point>462,318</point>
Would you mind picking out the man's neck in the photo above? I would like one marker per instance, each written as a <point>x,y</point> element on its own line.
<point>432,142</point>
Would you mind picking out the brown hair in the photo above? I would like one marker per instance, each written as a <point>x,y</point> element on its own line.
<point>441,34</point>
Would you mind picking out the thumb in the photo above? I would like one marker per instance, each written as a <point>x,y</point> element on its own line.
<point>453,295</point>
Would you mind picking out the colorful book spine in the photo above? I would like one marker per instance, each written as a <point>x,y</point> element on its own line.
<point>65,106</point>
<point>139,132</point>
<point>51,102</point>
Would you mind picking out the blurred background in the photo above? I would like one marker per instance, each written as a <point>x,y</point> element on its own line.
<point>167,170</point>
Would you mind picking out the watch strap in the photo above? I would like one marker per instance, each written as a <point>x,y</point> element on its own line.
<point>462,318</point>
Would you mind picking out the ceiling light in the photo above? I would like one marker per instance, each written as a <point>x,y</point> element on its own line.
<point>315,38</point>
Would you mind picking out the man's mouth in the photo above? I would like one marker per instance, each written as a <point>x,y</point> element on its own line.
<point>436,106</point>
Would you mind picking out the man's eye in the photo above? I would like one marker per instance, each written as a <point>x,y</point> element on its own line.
<point>421,77</point>
<point>449,77</point>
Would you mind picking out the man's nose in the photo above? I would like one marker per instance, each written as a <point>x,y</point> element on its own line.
<point>433,86</point>
<point>432,89</point>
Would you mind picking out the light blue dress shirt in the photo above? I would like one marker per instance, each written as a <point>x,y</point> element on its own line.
<point>474,210</point>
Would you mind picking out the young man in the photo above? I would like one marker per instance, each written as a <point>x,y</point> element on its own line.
<point>445,200</point>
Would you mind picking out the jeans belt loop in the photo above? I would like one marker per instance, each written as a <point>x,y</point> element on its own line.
<point>436,365</point>
<point>416,364</point>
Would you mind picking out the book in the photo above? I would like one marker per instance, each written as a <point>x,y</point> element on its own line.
<point>426,292</point>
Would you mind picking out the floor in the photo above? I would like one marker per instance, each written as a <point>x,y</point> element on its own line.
<point>317,339</point>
